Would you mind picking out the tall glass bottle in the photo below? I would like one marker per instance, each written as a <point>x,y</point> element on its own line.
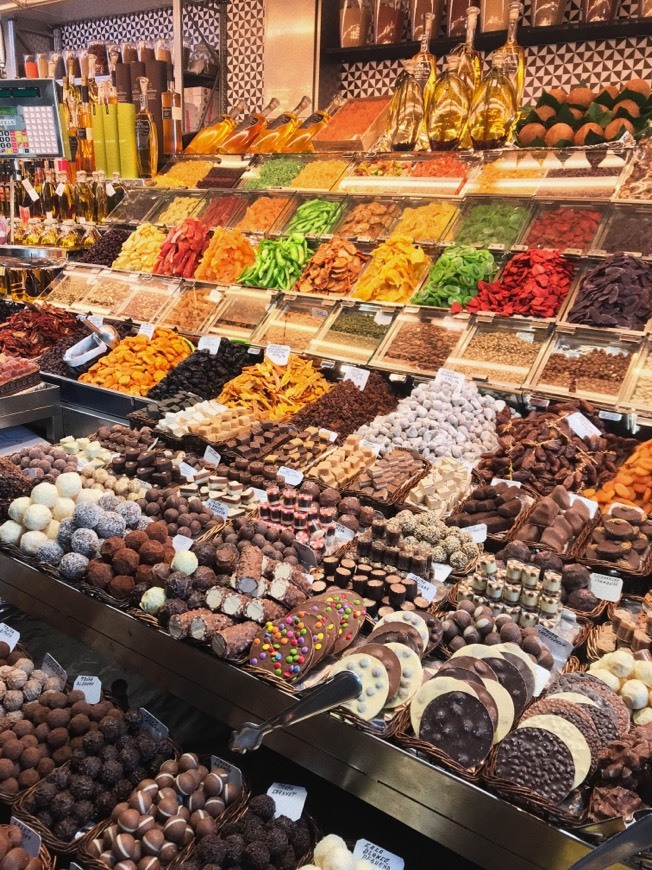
<point>246,131</point>
<point>513,54</point>
<point>301,140</point>
<point>47,194</point>
<point>115,192</point>
<point>146,135</point>
<point>208,140</point>
<point>449,111</point>
<point>86,146</point>
<point>425,74</point>
<point>100,198</point>
<point>66,200</point>
<point>279,130</point>
<point>172,117</point>
<point>406,114</point>
<point>493,110</point>
<point>84,197</point>
<point>470,68</point>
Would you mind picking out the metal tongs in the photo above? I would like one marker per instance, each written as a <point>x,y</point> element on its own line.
<point>319,699</point>
<point>623,846</point>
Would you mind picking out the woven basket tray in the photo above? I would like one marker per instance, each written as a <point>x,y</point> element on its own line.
<point>571,553</point>
<point>104,597</point>
<point>502,537</point>
<point>400,493</point>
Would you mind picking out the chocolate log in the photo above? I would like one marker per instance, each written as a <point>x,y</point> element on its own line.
<point>249,570</point>
<point>205,623</point>
<point>262,610</point>
<point>179,625</point>
<point>234,604</point>
<point>231,642</point>
<point>286,593</point>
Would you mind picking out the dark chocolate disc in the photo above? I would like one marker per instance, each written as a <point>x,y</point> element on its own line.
<point>398,632</point>
<point>586,684</point>
<point>479,667</point>
<point>577,715</point>
<point>524,670</point>
<point>459,725</point>
<point>510,678</point>
<point>538,760</point>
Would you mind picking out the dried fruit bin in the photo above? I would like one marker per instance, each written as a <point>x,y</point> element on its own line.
<point>496,351</point>
<point>185,172</point>
<point>70,286</point>
<point>307,172</point>
<point>221,209</point>
<point>488,222</point>
<point>357,126</point>
<point>420,341</point>
<point>426,220</point>
<point>627,229</point>
<point>571,228</point>
<point>588,363</point>
<point>353,332</point>
<point>149,299</point>
<point>394,174</point>
<point>294,322</point>
<point>367,219</point>
<point>262,211</point>
<point>582,174</point>
<point>511,173</point>
<point>107,291</point>
<point>636,394</point>
<point>315,215</point>
<point>174,207</point>
<point>135,207</point>
<point>190,310</point>
<point>239,313</point>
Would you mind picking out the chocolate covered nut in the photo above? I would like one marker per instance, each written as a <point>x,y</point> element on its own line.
<point>538,760</point>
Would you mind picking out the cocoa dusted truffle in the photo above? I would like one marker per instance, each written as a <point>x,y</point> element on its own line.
<point>61,805</point>
<point>213,850</point>
<point>92,742</point>
<point>111,773</point>
<point>83,812</point>
<point>263,806</point>
<point>81,787</point>
<point>235,846</point>
<point>276,841</point>
<point>91,767</point>
<point>66,829</point>
<point>125,561</point>
<point>255,856</point>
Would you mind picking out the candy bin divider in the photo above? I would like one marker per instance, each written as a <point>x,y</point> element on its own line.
<point>189,286</point>
<point>141,285</point>
<point>211,326</point>
<point>198,195</point>
<point>279,227</point>
<point>341,306</point>
<point>541,205</point>
<point>138,193</point>
<point>351,201</point>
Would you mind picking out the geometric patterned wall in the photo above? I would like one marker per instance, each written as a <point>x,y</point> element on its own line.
<point>246,48</point>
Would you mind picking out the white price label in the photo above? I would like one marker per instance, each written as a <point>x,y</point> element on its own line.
<point>377,857</point>
<point>541,678</point>
<point>181,542</point>
<point>526,336</point>
<point>60,189</point>
<point>289,799</point>
<point>235,774</point>
<point>260,494</point>
<point>155,727</point>
<point>605,587</point>
<point>590,504</point>
<point>440,572</point>
<point>426,590</point>
<point>610,415</point>
<point>278,353</point>
<point>187,470</point>
<point>110,189</point>
<point>446,376</point>
<point>9,635</point>
<point>343,533</point>
<point>582,427</point>
<point>306,555</point>
<point>211,455</point>
<point>90,686</point>
<point>477,532</point>
<point>211,343</point>
<point>96,320</point>
<point>147,329</point>
<point>516,483</point>
<point>291,476</point>
<point>358,376</point>
<point>332,436</point>
<point>31,840</point>
<point>372,445</point>
<point>383,318</point>
<point>215,296</point>
<point>560,648</point>
<point>53,669</point>
<point>219,508</point>
<point>29,187</point>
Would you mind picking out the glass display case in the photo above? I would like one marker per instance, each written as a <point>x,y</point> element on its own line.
<point>192,308</point>
<point>221,209</point>
<point>106,293</point>
<point>509,173</point>
<point>70,286</point>
<point>312,215</point>
<point>150,296</point>
<point>435,175</point>
<point>135,207</point>
<point>353,332</point>
<point>569,228</point>
<point>486,222</point>
<point>174,207</point>
<point>295,172</point>
<point>426,220</point>
<point>240,312</point>
<point>574,173</point>
<point>294,322</point>
<point>367,219</point>
<point>637,390</point>
<point>627,229</point>
<point>262,211</point>
<point>420,341</point>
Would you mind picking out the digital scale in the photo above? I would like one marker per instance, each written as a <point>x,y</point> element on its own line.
<point>29,119</point>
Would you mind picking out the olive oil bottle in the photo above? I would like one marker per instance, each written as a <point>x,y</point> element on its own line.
<point>449,111</point>
<point>493,110</point>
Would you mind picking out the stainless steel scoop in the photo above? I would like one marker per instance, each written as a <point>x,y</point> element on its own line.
<point>634,839</point>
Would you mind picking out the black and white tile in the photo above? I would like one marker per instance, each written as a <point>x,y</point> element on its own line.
<point>246,52</point>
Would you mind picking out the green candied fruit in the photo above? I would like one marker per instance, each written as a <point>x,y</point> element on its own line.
<point>455,275</point>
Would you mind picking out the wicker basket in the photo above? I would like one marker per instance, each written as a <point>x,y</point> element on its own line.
<point>502,537</point>
<point>104,597</point>
<point>400,494</point>
<point>578,545</point>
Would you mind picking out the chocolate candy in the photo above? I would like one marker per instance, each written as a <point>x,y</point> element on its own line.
<point>387,475</point>
<point>203,373</point>
<point>538,760</point>
<point>615,293</point>
<point>459,724</point>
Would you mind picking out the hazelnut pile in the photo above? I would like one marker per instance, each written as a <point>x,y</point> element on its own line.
<point>45,462</point>
<point>20,683</point>
<point>163,815</point>
<point>103,770</point>
<point>101,479</point>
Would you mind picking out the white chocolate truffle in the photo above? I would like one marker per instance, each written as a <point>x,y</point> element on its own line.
<point>642,717</point>
<point>184,561</point>
<point>620,663</point>
<point>11,532</point>
<point>326,845</point>
<point>25,665</point>
<point>18,507</point>
<point>643,672</point>
<point>31,542</point>
<point>37,517</point>
<point>45,493</point>
<point>63,508</point>
<point>52,529</point>
<point>89,495</point>
<point>634,694</point>
<point>338,859</point>
<point>607,677</point>
<point>69,484</point>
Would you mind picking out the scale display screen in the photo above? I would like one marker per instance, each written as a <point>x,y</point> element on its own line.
<point>29,119</point>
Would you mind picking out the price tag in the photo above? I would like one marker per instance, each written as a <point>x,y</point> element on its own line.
<point>426,590</point>
<point>289,799</point>
<point>211,455</point>
<point>52,668</point>
<point>343,533</point>
<point>147,329</point>
<point>235,774</point>
<point>9,635</point>
<point>610,415</point>
<point>291,476</point>
<point>541,677</point>
<point>278,353</point>
<point>440,572</point>
<point>91,687</point>
<point>260,494</point>
<point>110,189</point>
<point>155,727</point>
<point>372,445</point>
<point>332,436</point>
<point>187,470</point>
<point>306,554</point>
<point>181,542</point>
<point>31,840</point>
<point>606,587</point>
<point>591,505</point>
<point>537,402</point>
<point>60,189</point>
<point>581,426</point>
<point>446,376</point>
<point>516,483</point>
<point>211,343</point>
<point>377,857</point>
<point>96,320</point>
<point>560,648</point>
<point>29,187</point>
<point>215,296</point>
<point>219,508</point>
<point>477,532</point>
<point>358,376</point>
<point>383,318</point>
<point>526,336</point>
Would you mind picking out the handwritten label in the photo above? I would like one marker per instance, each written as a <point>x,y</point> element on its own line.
<point>147,329</point>
<point>278,353</point>
<point>187,470</point>
<point>260,494</point>
<point>610,415</point>
<point>446,376</point>
<point>155,727</point>
<point>219,508</point>
<point>110,189</point>
<point>96,319</point>
<point>605,587</point>
<point>9,635</point>
<point>211,455</point>
<point>343,533</point>
<point>181,542</point>
<point>541,677</point>
<point>377,857</point>
<point>60,189</point>
<point>477,532</point>
<point>91,687</point>
<point>537,402</point>
<point>31,840</point>
<point>440,572</point>
<point>426,590</point>
<point>53,669</point>
<point>495,480</point>
<point>235,774</point>
<point>307,556</point>
<point>383,318</point>
<point>29,187</point>
<point>215,296</point>
<point>332,436</point>
<point>560,648</point>
<point>211,343</point>
<point>371,445</point>
<point>291,476</point>
<point>582,427</point>
<point>357,376</point>
<point>289,799</point>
